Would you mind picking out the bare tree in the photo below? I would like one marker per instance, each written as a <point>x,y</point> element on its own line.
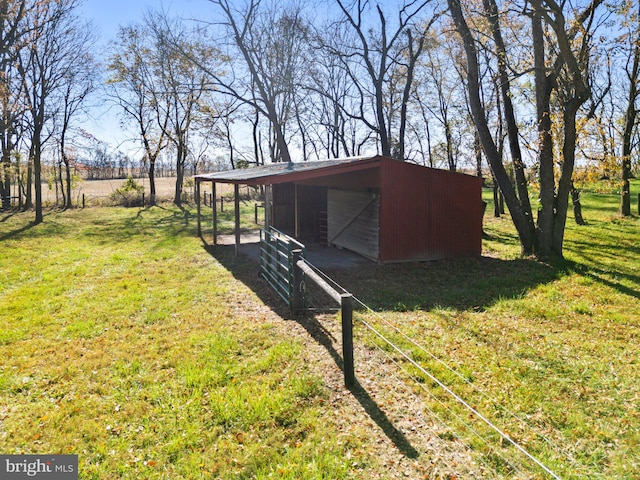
<point>42,66</point>
<point>384,55</point>
<point>133,86</point>
<point>182,83</point>
<point>271,46</point>
<point>632,69</point>
<point>13,30</point>
<point>569,64</point>
<point>77,82</point>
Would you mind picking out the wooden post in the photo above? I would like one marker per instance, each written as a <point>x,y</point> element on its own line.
<point>256,214</point>
<point>638,203</point>
<point>222,204</point>
<point>268,220</point>
<point>346,305</point>
<point>296,210</point>
<point>83,200</point>
<point>297,300</point>
<point>236,201</point>
<point>198,208</point>
<point>214,213</point>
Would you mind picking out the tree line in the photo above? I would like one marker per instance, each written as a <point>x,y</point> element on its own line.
<point>526,92</point>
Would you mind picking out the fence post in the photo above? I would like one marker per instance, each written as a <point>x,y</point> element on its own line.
<point>221,203</point>
<point>256,213</point>
<point>638,203</point>
<point>197,195</point>
<point>83,200</point>
<point>297,300</point>
<point>346,304</point>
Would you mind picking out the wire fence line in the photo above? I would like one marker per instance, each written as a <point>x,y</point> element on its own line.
<point>452,400</point>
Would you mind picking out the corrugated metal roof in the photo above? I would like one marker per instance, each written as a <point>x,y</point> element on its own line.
<point>261,174</point>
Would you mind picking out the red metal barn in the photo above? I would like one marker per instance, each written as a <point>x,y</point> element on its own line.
<point>387,210</point>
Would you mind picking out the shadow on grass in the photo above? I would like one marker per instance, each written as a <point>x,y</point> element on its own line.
<point>15,233</point>
<point>7,214</point>
<point>462,284</point>
<point>605,277</point>
<point>160,224</point>
<point>45,228</point>
<point>245,270</point>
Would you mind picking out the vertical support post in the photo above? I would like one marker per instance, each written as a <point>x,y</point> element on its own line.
<point>198,208</point>
<point>296,209</point>
<point>214,213</point>
<point>255,215</point>
<point>297,300</point>
<point>236,201</point>
<point>346,304</point>
<point>222,204</point>
<point>83,200</point>
<point>268,220</point>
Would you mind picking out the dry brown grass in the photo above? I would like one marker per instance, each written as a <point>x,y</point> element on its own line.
<point>96,189</point>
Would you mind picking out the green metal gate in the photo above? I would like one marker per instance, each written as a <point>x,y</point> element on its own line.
<point>277,262</point>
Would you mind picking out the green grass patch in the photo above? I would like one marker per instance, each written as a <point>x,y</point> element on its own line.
<point>120,343</point>
<point>124,341</point>
<point>556,344</point>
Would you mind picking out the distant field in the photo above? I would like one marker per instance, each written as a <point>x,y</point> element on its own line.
<point>101,189</point>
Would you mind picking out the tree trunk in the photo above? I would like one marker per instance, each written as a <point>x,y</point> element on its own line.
<point>577,207</point>
<point>28,197</point>
<point>545,140</point>
<point>69,203</point>
<point>37,178</point>
<point>509,115</point>
<point>152,181</point>
<point>629,123</point>
<point>520,221</point>
<point>181,157</point>
<point>60,179</point>
<point>5,182</point>
<point>565,184</point>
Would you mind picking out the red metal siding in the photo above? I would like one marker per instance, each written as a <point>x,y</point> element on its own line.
<point>427,214</point>
<point>360,180</point>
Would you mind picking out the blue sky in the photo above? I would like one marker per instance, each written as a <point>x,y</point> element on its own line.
<point>107,15</point>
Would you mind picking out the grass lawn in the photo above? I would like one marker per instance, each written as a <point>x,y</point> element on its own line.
<point>557,344</point>
<point>123,341</point>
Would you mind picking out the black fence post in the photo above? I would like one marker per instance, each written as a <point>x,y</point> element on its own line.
<point>197,199</point>
<point>256,213</point>
<point>346,304</point>
<point>638,203</point>
<point>297,295</point>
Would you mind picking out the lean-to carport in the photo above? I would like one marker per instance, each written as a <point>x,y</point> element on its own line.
<point>384,209</point>
<point>274,174</point>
